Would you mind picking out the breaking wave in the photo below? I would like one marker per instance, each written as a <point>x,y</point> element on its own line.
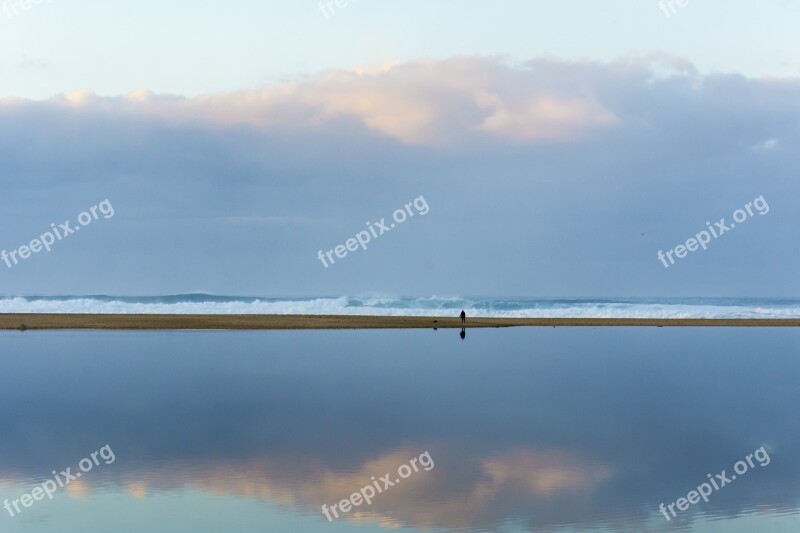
<point>389,305</point>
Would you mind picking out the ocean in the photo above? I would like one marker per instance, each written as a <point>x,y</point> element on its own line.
<point>391,305</point>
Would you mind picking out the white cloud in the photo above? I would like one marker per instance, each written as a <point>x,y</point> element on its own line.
<point>421,102</point>
<point>767,144</point>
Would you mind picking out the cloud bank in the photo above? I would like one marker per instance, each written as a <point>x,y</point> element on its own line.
<point>546,178</point>
<point>422,102</point>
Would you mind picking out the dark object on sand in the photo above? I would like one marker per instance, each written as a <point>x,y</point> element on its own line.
<point>463,317</point>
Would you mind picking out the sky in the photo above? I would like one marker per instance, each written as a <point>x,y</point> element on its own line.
<point>558,146</point>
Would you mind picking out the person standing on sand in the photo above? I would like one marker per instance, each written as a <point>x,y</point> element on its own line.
<point>463,317</point>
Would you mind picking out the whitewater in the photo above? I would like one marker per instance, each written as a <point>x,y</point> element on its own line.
<point>387,305</point>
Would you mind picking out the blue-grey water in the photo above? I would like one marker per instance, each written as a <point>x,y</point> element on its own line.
<point>392,305</point>
<point>540,429</point>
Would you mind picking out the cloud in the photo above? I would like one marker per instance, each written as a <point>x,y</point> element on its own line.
<point>458,101</point>
<point>544,473</point>
<point>467,492</point>
<point>585,156</point>
<point>421,102</point>
<point>34,64</point>
<point>767,144</point>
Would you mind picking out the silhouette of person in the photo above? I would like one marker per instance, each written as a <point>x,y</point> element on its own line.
<point>463,333</point>
<point>463,317</point>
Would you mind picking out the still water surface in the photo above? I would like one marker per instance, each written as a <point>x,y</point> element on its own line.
<point>586,429</point>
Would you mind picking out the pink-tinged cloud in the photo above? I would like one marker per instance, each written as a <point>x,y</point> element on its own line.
<point>472,491</point>
<point>434,103</point>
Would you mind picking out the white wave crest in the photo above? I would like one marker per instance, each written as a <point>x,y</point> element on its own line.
<point>388,306</point>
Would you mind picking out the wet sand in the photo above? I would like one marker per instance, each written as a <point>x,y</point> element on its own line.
<point>256,322</point>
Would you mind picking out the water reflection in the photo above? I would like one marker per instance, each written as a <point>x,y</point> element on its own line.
<point>536,429</point>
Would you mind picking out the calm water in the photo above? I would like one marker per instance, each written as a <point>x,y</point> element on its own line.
<point>526,429</point>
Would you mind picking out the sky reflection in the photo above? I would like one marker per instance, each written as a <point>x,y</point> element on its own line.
<point>534,429</point>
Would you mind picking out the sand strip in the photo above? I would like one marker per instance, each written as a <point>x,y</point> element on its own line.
<point>174,322</point>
